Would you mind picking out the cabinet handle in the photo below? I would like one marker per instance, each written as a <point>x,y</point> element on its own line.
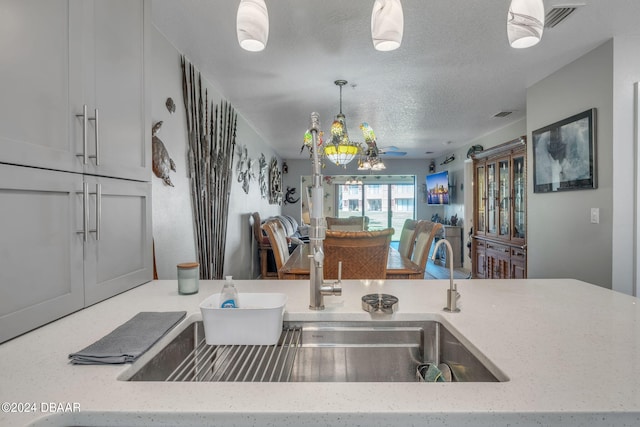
<point>85,119</point>
<point>96,121</point>
<point>98,195</point>
<point>84,154</point>
<point>85,212</point>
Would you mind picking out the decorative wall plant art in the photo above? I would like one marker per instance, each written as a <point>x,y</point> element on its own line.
<point>161,162</point>
<point>564,154</point>
<point>212,139</point>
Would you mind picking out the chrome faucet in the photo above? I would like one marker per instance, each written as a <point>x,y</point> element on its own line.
<point>318,288</point>
<point>452,292</point>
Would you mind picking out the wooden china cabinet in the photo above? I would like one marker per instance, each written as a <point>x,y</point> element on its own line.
<point>499,244</point>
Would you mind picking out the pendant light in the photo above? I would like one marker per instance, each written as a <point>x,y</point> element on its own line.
<point>338,148</point>
<point>387,24</point>
<point>252,25</point>
<point>525,23</point>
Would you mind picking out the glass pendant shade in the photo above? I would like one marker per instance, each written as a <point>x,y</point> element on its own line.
<point>339,149</point>
<point>525,23</point>
<point>252,25</point>
<point>387,24</point>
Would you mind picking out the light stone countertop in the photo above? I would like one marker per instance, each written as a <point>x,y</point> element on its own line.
<point>570,350</point>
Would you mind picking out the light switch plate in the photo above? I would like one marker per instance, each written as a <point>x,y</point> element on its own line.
<point>595,215</point>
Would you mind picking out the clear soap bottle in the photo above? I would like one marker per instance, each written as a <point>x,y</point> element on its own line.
<point>229,294</point>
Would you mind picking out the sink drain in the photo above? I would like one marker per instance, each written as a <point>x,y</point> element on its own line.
<point>379,302</point>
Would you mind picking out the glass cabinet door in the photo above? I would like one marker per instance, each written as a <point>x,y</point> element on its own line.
<point>519,197</point>
<point>492,197</point>
<point>504,197</point>
<point>481,199</point>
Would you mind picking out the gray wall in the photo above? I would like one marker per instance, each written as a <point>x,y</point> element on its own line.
<point>172,215</point>
<point>562,242</point>
<point>626,71</point>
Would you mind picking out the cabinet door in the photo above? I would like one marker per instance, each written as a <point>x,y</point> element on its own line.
<point>114,53</point>
<point>497,261</point>
<point>479,259</point>
<point>480,199</point>
<point>519,229</point>
<point>492,199</point>
<point>504,198</point>
<point>518,264</point>
<point>41,249</point>
<point>40,68</point>
<point>118,256</point>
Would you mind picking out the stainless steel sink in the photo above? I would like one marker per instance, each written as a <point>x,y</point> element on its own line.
<point>374,351</point>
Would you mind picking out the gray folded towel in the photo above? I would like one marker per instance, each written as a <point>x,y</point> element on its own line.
<point>130,340</point>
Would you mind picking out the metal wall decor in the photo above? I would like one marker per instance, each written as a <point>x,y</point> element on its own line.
<point>171,106</point>
<point>212,135</point>
<point>245,168</point>
<point>275,183</point>
<point>263,176</point>
<point>161,162</point>
<point>290,196</point>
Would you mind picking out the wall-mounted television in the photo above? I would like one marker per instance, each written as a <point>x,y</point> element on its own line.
<point>438,188</point>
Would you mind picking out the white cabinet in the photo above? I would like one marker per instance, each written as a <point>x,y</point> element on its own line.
<point>41,267</point>
<point>60,56</point>
<point>118,256</point>
<point>47,269</point>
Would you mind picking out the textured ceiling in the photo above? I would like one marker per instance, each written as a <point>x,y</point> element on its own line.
<point>438,91</point>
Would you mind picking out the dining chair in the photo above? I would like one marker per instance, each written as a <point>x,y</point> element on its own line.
<point>425,233</point>
<point>353,223</point>
<point>363,253</point>
<point>408,237</point>
<point>279,244</point>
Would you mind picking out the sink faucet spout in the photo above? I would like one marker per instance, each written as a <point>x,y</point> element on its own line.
<point>317,286</point>
<point>452,293</point>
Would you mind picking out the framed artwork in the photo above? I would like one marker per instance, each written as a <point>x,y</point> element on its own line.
<point>564,154</point>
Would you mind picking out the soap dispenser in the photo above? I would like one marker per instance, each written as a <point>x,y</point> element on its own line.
<point>229,294</point>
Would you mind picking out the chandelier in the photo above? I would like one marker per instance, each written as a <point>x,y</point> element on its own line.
<point>338,148</point>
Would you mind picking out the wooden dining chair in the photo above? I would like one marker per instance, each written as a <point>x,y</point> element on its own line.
<point>353,223</point>
<point>363,253</point>
<point>279,244</point>
<point>425,233</point>
<point>408,237</point>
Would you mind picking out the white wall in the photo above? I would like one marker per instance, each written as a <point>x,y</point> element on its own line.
<point>626,71</point>
<point>562,242</point>
<point>172,215</point>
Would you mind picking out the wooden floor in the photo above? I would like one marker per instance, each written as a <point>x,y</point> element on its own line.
<point>436,271</point>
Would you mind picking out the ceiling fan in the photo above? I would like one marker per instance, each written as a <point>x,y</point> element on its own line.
<point>391,151</point>
<point>372,148</point>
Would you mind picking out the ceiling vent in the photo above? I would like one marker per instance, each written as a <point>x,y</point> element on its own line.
<point>503,114</point>
<point>557,14</point>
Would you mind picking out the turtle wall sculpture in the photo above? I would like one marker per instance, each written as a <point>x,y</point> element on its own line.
<point>161,162</point>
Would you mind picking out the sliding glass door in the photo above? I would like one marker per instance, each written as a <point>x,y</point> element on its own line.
<point>386,204</point>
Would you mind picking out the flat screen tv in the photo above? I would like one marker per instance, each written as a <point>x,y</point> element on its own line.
<point>438,188</point>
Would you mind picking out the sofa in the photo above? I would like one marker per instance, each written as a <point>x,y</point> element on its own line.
<point>294,237</point>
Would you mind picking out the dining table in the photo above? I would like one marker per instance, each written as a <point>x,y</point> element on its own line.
<point>398,266</point>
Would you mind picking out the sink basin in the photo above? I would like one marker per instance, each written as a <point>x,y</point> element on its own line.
<point>310,351</point>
